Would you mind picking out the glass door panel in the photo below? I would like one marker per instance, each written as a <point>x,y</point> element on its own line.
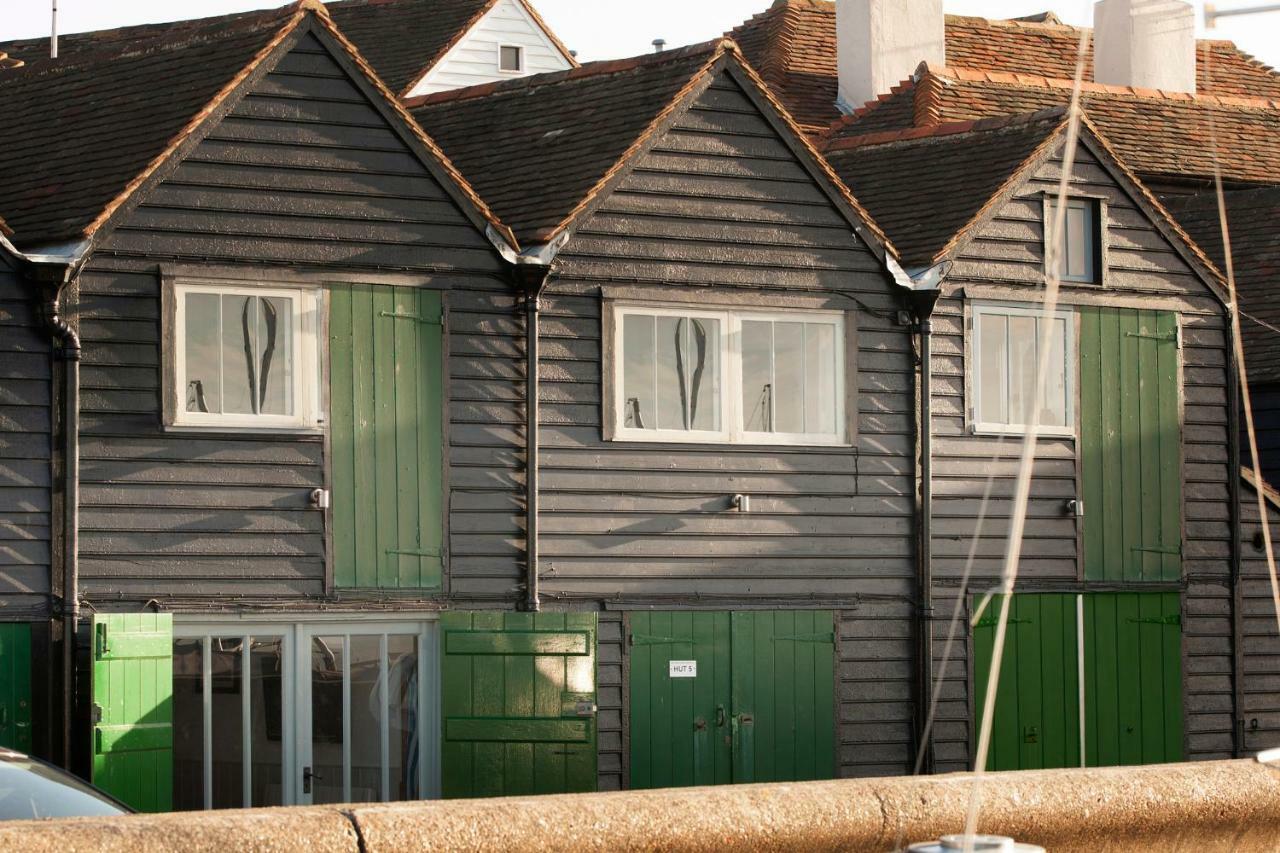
<point>323,777</point>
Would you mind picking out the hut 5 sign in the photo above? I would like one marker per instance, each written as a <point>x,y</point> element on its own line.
<point>682,668</point>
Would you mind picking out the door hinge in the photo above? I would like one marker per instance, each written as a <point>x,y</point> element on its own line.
<point>828,637</point>
<point>413,552</point>
<point>1177,552</point>
<point>405,315</point>
<point>101,646</point>
<point>649,640</point>
<point>1169,337</point>
<point>1174,619</point>
<point>95,714</point>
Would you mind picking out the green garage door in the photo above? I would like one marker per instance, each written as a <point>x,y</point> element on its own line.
<point>1132,713</point>
<point>519,703</point>
<point>731,697</point>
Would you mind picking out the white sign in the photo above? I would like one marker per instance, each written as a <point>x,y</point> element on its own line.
<point>683,668</point>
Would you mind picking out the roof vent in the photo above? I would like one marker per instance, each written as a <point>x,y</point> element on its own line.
<point>1148,44</point>
<point>658,45</point>
<point>880,43</point>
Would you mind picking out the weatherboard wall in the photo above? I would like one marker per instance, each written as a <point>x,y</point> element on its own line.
<point>25,449</point>
<point>1259,628</point>
<point>1142,269</point>
<point>720,210</point>
<point>304,175</point>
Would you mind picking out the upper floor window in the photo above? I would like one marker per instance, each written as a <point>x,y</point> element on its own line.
<point>510,58</point>
<point>244,356</point>
<point>729,376</point>
<point>1080,246</point>
<point>1005,350</point>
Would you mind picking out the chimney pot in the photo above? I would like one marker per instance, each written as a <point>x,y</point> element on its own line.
<point>879,43</point>
<point>1147,44</point>
<point>658,45</point>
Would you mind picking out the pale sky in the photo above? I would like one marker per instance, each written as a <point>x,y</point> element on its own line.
<point>604,29</point>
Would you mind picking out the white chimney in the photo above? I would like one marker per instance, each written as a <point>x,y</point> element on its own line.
<point>1150,44</point>
<point>879,43</point>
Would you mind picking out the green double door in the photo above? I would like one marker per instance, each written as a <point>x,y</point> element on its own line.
<point>1122,700</point>
<point>718,697</point>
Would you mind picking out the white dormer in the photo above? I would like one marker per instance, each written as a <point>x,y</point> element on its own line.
<point>506,42</point>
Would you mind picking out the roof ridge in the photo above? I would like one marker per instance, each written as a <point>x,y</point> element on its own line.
<point>950,128</point>
<point>589,69</point>
<point>862,111</point>
<point>973,75</point>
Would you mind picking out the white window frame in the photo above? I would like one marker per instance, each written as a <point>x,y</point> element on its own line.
<point>305,352</point>
<point>1095,211</point>
<point>732,418</point>
<point>520,52</point>
<point>973,373</point>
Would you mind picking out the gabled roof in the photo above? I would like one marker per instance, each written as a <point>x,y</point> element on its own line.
<point>1162,135</point>
<point>926,186</point>
<point>793,44</point>
<point>542,149</point>
<point>932,188</point>
<point>1252,217</point>
<point>402,39</point>
<point>80,137</point>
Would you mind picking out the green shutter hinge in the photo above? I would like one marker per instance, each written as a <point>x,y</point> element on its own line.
<point>1170,337</point>
<point>418,318</point>
<point>648,640</point>
<point>414,552</point>
<point>1177,552</point>
<point>991,623</point>
<point>95,714</point>
<point>1173,619</point>
<point>101,646</point>
<point>828,637</point>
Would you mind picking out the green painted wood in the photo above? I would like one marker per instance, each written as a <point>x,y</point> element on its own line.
<point>386,396</point>
<point>132,690</point>
<point>518,700</point>
<point>1133,678</point>
<point>760,709</point>
<point>1130,444</point>
<point>15,686</point>
<point>519,643</point>
<point>1037,713</point>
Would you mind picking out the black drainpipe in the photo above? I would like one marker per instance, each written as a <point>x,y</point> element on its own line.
<point>1233,495</point>
<point>923,302</point>
<point>56,279</point>
<point>533,279</point>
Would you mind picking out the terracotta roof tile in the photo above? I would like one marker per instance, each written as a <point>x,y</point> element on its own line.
<point>1164,136</point>
<point>793,45</point>
<point>1255,248</point>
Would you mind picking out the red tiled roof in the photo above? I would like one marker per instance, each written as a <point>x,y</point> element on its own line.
<point>793,46</point>
<point>1162,135</point>
<point>401,39</point>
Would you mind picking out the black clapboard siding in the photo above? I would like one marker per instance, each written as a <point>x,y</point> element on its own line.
<point>721,204</point>
<point>1008,252</point>
<point>25,450</point>
<point>1259,628</point>
<point>303,172</point>
<point>1264,398</point>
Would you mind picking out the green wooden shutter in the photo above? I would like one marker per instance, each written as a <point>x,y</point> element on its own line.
<point>1037,713</point>
<point>15,686</point>
<point>133,708</point>
<point>385,355</point>
<point>1130,454</point>
<point>518,703</point>
<point>1133,678</point>
<point>761,707</point>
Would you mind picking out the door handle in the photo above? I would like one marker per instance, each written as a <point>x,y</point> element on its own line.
<point>307,776</point>
<point>720,716</point>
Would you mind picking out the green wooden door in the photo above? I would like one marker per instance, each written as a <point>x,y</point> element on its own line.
<point>1133,678</point>
<point>1037,713</point>
<point>518,703</point>
<point>731,697</point>
<point>385,365</point>
<point>15,686</point>
<point>1130,445</point>
<point>679,721</point>
<point>132,688</point>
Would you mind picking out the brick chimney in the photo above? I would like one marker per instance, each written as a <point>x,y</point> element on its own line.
<point>879,43</point>
<point>1149,44</point>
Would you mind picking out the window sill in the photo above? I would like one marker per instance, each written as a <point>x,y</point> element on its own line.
<point>228,429</point>
<point>728,443</point>
<point>1018,432</point>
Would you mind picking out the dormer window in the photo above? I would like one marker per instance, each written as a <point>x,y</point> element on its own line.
<point>1080,246</point>
<point>511,58</point>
